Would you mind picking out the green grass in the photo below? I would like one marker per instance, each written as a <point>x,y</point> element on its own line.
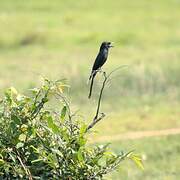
<point>160,158</point>
<point>61,38</point>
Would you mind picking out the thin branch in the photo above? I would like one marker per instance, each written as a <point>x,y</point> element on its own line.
<point>96,118</point>
<point>100,96</point>
<point>95,121</point>
<point>120,67</point>
<point>110,79</point>
<point>23,165</point>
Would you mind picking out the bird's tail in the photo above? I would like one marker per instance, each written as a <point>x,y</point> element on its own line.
<point>92,81</point>
<point>91,86</point>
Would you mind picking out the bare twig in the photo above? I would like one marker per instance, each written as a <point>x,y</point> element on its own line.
<point>95,121</point>
<point>100,96</point>
<point>23,165</point>
<point>97,118</point>
<point>120,67</point>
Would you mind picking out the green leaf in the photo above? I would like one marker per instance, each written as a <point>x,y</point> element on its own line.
<point>34,90</point>
<point>56,151</point>
<point>34,149</point>
<point>83,129</point>
<point>82,141</point>
<point>12,156</point>
<point>10,94</point>
<point>19,145</point>
<point>19,98</point>
<point>52,125</point>
<point>1,156</point>
<point>63,113</point>
<point>13,91</point>
<point>109,154</point>
<point>15,119</point>
<point>80,155</point>
<point>52,160</point>
<point>24,127</point>
<point>1,161</point>
<point>137,159</point>
<point>37,160</point>
<point>22,137</point>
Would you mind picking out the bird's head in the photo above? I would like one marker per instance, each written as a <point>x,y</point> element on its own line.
<point>106,45</point>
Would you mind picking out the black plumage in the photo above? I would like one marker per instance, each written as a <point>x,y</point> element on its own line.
<point>99,61</point>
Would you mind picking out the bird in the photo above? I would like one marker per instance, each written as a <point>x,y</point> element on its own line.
<point>99,61</point>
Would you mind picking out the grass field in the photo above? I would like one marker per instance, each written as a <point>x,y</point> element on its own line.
<point>160,156</point>
<point>60,39</point>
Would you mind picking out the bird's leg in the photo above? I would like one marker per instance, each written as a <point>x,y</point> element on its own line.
<point>98,70</point>
<point>94,72</point>
<point>101,71</point>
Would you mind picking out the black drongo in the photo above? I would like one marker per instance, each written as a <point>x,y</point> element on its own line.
<point>99,61</point>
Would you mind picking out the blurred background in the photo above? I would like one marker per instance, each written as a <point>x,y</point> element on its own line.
<point>60,39</point>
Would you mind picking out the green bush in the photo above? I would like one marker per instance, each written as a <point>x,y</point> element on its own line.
<point>38,142</point>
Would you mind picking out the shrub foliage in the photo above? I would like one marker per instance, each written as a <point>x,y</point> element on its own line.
<point>38,142</point>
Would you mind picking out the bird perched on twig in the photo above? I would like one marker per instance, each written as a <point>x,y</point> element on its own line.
<point>99,61</point>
